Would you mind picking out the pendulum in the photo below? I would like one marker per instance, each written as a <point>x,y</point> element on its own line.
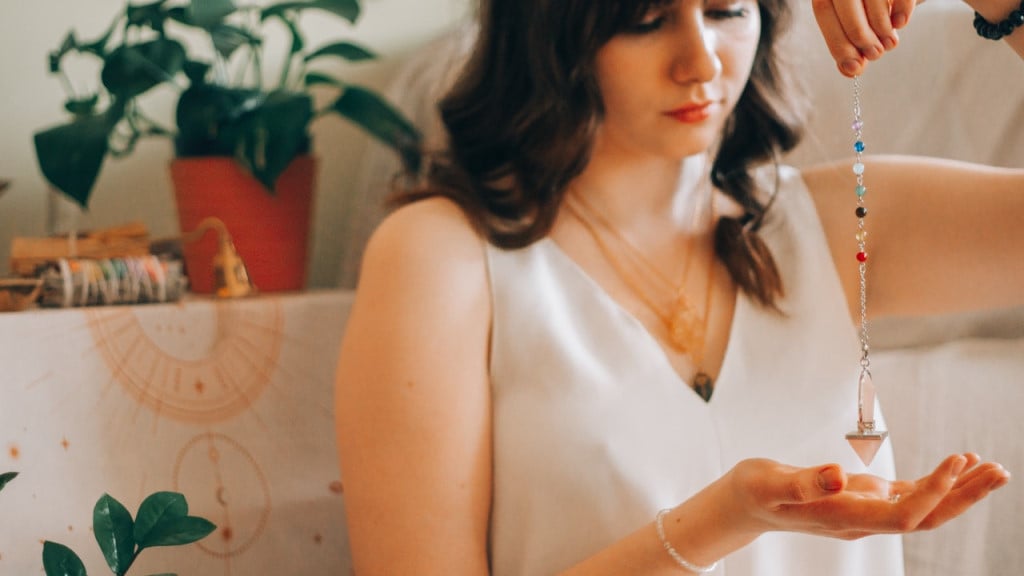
<point>866,440</point>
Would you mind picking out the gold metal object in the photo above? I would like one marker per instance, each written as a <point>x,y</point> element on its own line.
<point>230,276</point>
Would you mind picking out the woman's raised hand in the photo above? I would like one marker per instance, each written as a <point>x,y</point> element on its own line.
<point>828,502</point>
<point>860,30</point>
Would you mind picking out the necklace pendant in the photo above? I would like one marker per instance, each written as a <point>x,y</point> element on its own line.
<point>703,385</point>
<point>686,327</point>
<point>866,440</point>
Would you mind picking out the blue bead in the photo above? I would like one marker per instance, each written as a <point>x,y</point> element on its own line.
<point>861,190</point>
<point>858,146</point>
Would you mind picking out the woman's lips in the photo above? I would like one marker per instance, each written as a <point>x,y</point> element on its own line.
<point>691,113</point>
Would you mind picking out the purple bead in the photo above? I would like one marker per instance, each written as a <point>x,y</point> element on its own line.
<point>857,125</point>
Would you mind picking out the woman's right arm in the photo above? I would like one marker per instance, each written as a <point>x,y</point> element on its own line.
<point>412,401</point>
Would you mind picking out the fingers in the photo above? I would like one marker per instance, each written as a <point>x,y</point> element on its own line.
<point>770,484</point>
<point>826,501</point>
<point>970,488</point>
<point>913,508</point>
<point>860,30</point>
<point>867,25</point>
<point>804,485</point>
<point>901,11</point>
<point>846,55</point>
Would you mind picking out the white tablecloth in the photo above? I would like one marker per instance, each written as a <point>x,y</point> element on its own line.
<point>229,403</point>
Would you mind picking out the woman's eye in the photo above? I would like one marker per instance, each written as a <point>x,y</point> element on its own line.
<point>650,23</point>
<point>727,13</point>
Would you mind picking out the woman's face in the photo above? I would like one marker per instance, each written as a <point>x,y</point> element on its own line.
<point>670,83</point>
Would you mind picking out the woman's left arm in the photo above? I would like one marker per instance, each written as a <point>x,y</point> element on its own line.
<point>943,236</point>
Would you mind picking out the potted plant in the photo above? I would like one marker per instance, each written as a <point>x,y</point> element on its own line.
<point>233,127</point>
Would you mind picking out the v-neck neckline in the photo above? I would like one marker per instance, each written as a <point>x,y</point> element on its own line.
<point>658,350</point>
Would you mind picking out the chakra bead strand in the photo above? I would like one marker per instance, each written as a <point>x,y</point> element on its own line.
<point>866,440</point>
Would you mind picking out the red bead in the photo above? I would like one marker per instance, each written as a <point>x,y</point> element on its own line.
<point>862,256</point>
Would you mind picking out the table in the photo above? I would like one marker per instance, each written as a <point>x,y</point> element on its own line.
<point>227,402</point>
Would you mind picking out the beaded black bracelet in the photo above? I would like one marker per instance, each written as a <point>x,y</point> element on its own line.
<point>997,31</point>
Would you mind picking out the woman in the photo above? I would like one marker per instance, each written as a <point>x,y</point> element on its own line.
<point>608,301</point>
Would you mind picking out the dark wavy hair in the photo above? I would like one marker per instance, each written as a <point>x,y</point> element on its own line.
<point>522,115</point>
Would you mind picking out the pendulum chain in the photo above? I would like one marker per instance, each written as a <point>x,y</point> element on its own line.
<point>866,440</point>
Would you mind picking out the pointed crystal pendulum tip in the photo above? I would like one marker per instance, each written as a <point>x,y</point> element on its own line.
<point>866,441</point>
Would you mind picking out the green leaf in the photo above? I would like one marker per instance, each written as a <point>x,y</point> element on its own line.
<point>146,15</point>
<point>59,560</point>
<point>82,106</point>
<point>298,44</point>
<point>181,15</point>
<point>7,477</point>
<point>177,531</point>
<point>227,38</point>
<point>157,508</point>
<point>346,50</point>
<point>55,57</point>
<point>381,120</point>
<point>114,528</point>
<point>314,78</point>
<point>195,71</point>
<point>133,69</point>
<point>271,136</point>
<point>206,13</point>
<point>347,9</point>
<point>205,116</point>
<point>70,155</point>
<point>99,45</point>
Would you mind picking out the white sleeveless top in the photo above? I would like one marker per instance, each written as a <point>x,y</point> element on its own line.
<point>594,431</point>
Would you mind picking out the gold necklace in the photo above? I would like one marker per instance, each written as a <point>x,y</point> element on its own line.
<point>685,325</point>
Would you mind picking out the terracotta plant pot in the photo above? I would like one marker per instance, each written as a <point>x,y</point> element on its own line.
<point>270,232</point>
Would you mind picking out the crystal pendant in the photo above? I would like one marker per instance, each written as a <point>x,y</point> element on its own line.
<point>866,441</point>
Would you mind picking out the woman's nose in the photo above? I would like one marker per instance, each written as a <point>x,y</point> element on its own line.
<point>696,58</point>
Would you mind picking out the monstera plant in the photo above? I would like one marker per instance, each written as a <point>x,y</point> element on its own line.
<point>234,99</point>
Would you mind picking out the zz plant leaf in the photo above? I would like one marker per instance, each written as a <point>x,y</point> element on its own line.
<point>162,520</point>
<point>59,560</point>
<point>7,477</point>
<point>156,508</point>
<point>178,531</point>
<point>114,530</point>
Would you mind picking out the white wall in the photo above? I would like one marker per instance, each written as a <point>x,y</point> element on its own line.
<point>138,187</point>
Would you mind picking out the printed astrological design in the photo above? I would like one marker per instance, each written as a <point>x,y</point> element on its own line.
<point>190,363</point>
<point>222,477</point>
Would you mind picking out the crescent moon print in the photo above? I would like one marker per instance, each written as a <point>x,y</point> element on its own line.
<point>220,474</point>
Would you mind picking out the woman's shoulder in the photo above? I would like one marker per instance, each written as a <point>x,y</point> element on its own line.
<point>429,240</point>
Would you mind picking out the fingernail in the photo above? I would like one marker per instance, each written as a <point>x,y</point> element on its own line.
<point>889,42</point>
<point>999,482</point>
<point>830,479</point>
<point>872,52</point>
<point>850,67</point>
<point>899,20</point>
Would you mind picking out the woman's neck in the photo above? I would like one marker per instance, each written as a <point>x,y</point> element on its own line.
<point>651,194</point>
